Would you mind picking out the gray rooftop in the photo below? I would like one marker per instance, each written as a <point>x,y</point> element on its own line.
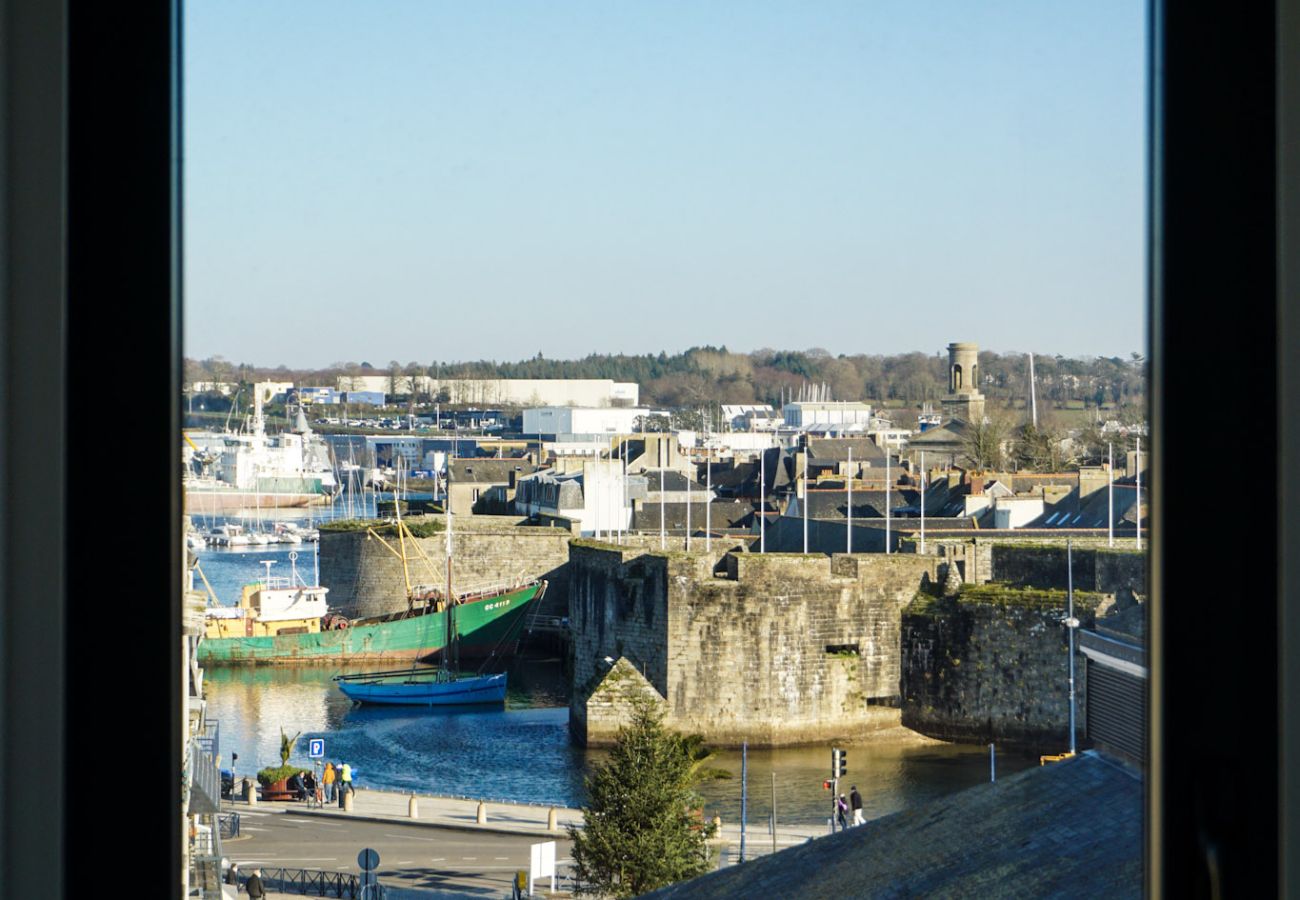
<point>1068,829</point>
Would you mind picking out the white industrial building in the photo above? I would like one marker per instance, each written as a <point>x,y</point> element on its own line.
<point>810,414</point>
<point>601,392</point>
<point>582,420</point>
<point>750,417</point>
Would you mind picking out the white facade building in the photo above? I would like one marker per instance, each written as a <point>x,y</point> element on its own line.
<point>595,496</point>
<point>582,420</point>
<point>524,392</point>
<point>750,417</point>
<point>809,414</point>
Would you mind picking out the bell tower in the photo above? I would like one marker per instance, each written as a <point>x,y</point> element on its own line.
<point>964,400</point>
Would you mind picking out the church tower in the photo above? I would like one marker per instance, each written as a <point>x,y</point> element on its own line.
<point>964,400</point>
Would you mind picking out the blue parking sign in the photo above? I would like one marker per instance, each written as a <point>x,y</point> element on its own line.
<point>316,748</point>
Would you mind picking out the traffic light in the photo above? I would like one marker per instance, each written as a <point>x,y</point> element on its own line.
<point>826,785</point>
<point>839,763</point>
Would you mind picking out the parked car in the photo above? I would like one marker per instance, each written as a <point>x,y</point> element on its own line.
<point>227,784</point>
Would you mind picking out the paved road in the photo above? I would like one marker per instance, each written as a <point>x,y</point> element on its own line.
<point>413,855</point>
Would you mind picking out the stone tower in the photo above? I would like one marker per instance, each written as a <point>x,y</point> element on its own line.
<point>964,400</point>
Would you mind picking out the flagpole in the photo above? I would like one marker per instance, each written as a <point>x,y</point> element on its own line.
<point>708,502</point>
<point>887,494</point>
<point>848,533</point>
<point>1110,495</point>
<point>805,492</point>
<point>688,506</point>
<point>1137,464</point>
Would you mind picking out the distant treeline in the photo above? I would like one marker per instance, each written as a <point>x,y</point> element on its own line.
<point>704,376</point>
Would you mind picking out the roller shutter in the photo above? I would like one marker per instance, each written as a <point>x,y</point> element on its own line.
<point>1117,709</point>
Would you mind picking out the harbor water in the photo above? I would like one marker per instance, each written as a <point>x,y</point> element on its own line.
<point>522,752</point>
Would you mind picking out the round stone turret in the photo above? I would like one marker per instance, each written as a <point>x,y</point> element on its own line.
<point>963,368</point>
<point>964,400</point>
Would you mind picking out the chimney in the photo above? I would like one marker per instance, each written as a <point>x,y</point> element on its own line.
<point>1092,479</point>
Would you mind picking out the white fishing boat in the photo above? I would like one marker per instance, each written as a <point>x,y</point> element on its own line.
<point>229,471</point>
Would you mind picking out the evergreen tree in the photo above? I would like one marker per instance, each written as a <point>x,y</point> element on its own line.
<point>642,830</point>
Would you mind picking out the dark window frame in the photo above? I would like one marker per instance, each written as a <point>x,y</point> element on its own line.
<point>91,277</point>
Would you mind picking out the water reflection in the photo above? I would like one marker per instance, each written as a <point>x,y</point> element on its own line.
<point>523,752</point>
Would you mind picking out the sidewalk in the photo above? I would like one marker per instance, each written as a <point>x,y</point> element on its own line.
<point>507,818</point>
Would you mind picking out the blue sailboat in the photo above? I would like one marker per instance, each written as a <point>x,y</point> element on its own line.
<point>443,686</point>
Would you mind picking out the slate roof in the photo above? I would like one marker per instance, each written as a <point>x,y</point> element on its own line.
<point>488,471</point>
<point>951,431</point>
<point>824,504</point>
<point>724,514</point>
<point>1068,829</point>
<point>669,479</point>
<point>1092,511</point>
<point>837,449</point>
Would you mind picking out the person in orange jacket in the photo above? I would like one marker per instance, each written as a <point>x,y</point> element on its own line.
<point>328,780</point>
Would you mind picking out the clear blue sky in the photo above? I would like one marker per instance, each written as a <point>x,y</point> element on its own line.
<point>421,180</point>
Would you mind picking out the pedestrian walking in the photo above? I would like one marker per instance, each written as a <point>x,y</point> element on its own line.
<point>254,886</point>
<point>328,779</point>
<point>842,811</point>
<point>344,781</point>
<point>855,802</point>
<point>309,782</point>
<point>232,875</point>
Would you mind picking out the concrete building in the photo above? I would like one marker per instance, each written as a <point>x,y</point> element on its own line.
<point>810,414</point>
<point>470,479</point>
<point>750,417</point>
<point>581,420</point>
<point>594,496</point>
<point>524,392</point>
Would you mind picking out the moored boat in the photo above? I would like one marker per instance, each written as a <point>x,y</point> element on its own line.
<point>446,685</point>
<point>437,688</point>
<point>285,621</point>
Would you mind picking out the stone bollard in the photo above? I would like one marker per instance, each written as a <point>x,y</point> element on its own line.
<point>347,801</point>
<point>717,826</point>
<point>551,823</point>
<point>250,792</point>
<point>413,808</point>
<point>482,813</point>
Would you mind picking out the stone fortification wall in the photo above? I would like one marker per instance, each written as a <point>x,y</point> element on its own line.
<point>992,664</point>
<point>1036,560</point>
<point>1101,569</point>
<point>772,648</point>
<point>365,579</point>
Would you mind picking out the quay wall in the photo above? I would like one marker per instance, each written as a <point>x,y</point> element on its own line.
<point>992,665</point>
<point>366,579</point>
<point>774,649</point>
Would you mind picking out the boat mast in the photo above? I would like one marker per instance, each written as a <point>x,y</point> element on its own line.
<point>449,639</point>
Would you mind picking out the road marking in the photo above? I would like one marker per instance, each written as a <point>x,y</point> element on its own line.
<point>439,859</point>
<point>250,828</point>
<point>407,837</point>
<point>501,857</point>
<point>470,858</point>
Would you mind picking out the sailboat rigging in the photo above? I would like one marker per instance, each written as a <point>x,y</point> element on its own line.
<point>444,685</point>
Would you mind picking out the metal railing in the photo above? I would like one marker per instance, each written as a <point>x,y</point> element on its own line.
<point>315,883</point>
<point>228,825</point>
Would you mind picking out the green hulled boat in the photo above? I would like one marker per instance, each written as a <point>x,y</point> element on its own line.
<point>285,623</point>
